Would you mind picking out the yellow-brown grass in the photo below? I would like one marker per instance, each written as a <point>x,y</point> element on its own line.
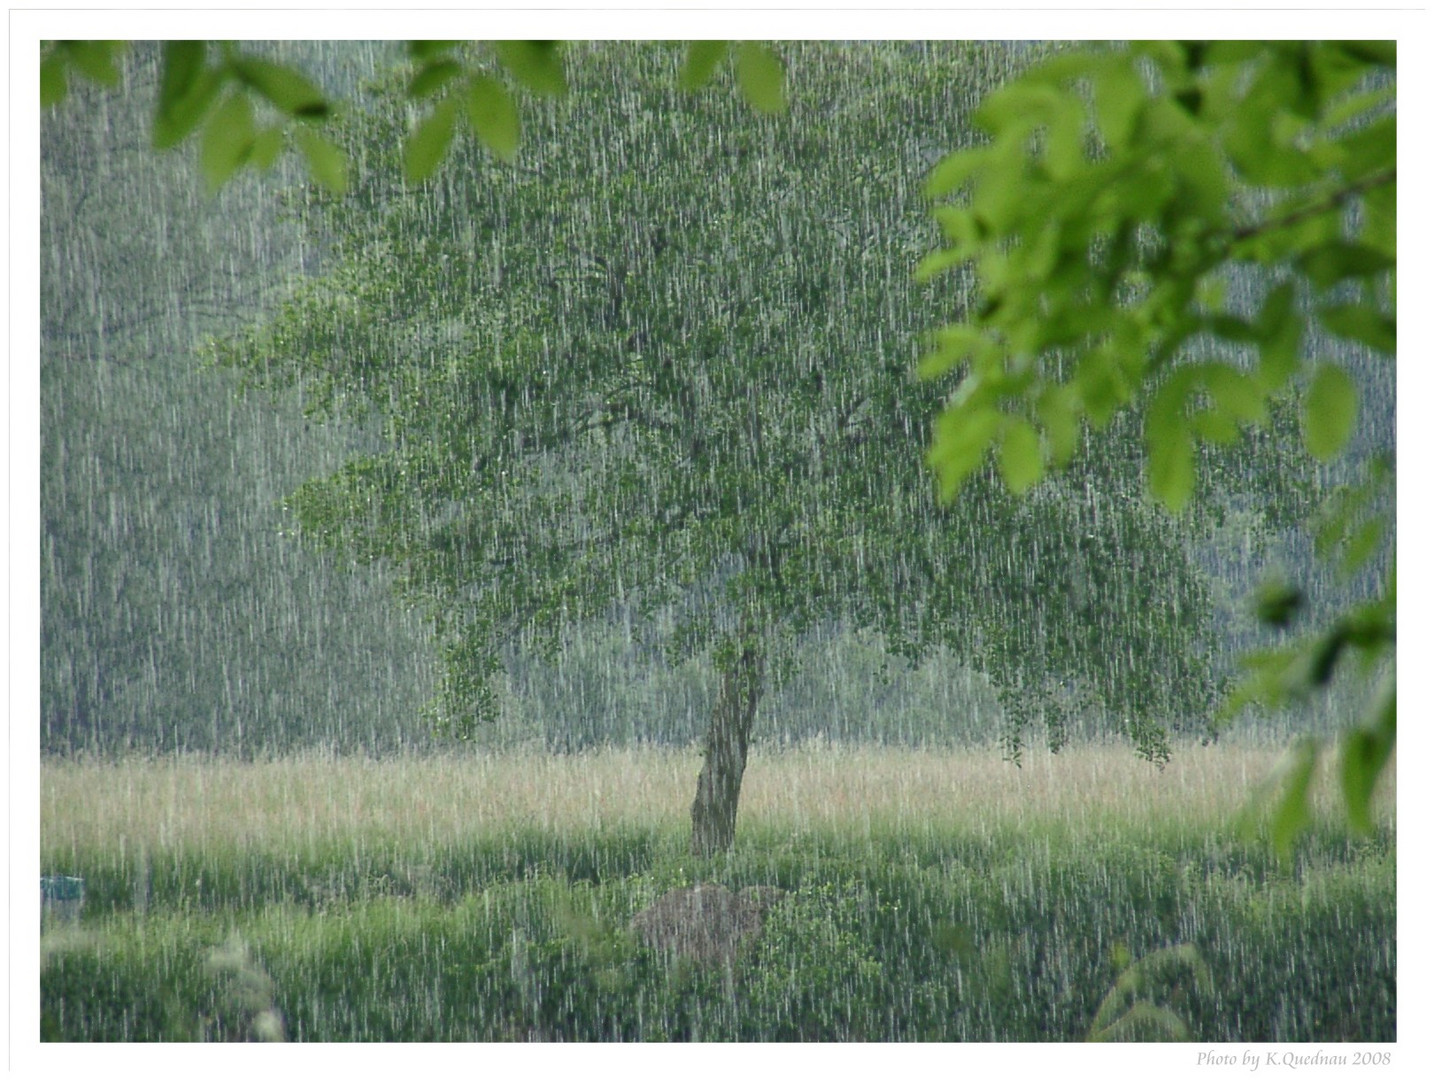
<point>295,803</point>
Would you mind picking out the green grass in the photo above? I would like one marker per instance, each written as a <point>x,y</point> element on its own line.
<point>1002,920</point>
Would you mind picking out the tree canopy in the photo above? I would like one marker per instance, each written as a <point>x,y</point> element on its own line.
<point>662,371</point>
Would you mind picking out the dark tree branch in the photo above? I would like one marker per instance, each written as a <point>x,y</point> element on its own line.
<point>1330,202</point>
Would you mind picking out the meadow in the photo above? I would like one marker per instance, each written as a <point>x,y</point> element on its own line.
<point>927,895</point>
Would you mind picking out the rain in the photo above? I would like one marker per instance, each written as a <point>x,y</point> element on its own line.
<point>516,606</point>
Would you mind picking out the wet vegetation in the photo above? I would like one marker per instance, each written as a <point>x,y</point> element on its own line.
<point>956,906</point>
<point>625,414</point>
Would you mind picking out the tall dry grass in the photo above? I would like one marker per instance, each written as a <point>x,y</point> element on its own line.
<point>305,802</point>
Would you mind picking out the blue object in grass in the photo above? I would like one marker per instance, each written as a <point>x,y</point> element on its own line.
<point>61,897</point>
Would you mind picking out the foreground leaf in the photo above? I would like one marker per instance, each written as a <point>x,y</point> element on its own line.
<point>702,60</point>
<point>286,89</point>
<point>327,163</point>
<point>426,146</point>
<point>537,65</point>
<point>1021,462</point>
<point>186,90</point>
<point>1363,756</point>
<point>493,116</point>
<point>762,77</point>
<point>53,84</point>
<point>1331,408</point>
<point>228,140</point>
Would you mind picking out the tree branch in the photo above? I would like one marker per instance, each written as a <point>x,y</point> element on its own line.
<point>1304,213</point>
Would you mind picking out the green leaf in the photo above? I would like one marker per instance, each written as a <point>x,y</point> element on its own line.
<point>187,89</point>
<point>53,84</point>
<point>1292,231</point>
<point>938,261</point>
<point>1120,96</point>
<point>1143,1021</point>
<point>1358,110</point>
<point>954,344</point>
<point>1236,393</point>
<point>1281,332</point>
<point>1370,149</point>
<point>183,61</point>
<point>1065,140</point>
<point>962,228</point>
<point>420,51</point>
<point>702,60</point>
<point>96,60</point>
<point>1277,603</point>
<point>1232,329</point>
<point>1331,407</point>
<point>327,163</point>
<point>954,170</point>
<point>1292,811</point>
<point>433,77</point>
<point>1214,426</point>
<point>536,65</point>
<point>1018,107</point>
<point>958,445</point>
<point>1059,410</point>
<point>1276,675</point>
<point>1380,228</point>
<point>227,141</point>
<point>1362,545</point>
<point>493,116</point>
<point>1127,1011</point>
<point>1204,190</point>
<point>1021,461</point>
<point>286,89</point>
<point>1383,53</point>
<point>1360,323</point>
<point>268,145</point>
<point>762,77</point>
<point>1324,654</point>
<point>425,148</point>
<point>1337,260</point>
<point>1260,155</point>
<point>1171,463</point>
<point>1101,387</point>
<point>1363,756</point>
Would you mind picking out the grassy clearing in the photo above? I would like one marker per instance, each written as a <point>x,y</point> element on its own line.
<point>302,801</point>
<point>932,896</point>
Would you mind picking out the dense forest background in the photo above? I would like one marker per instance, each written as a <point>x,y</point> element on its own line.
<point>177,615</point>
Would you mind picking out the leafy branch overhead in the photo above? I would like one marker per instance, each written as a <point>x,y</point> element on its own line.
<point>213,89</point>
<point>1103,226</point>
<point>1112,226</point>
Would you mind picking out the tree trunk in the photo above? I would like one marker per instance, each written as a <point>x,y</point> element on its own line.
<point>714,811</point>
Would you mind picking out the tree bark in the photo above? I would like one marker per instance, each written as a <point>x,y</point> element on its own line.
<point>714,811</point>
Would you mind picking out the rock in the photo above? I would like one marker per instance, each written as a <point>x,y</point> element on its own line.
<point>706,923</point>
<point>764,896</point>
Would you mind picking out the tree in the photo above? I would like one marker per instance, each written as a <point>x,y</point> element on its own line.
<point>1122,197</point>
<point>659,370</point>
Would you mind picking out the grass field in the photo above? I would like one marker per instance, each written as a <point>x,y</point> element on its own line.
<point>929,896</point>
